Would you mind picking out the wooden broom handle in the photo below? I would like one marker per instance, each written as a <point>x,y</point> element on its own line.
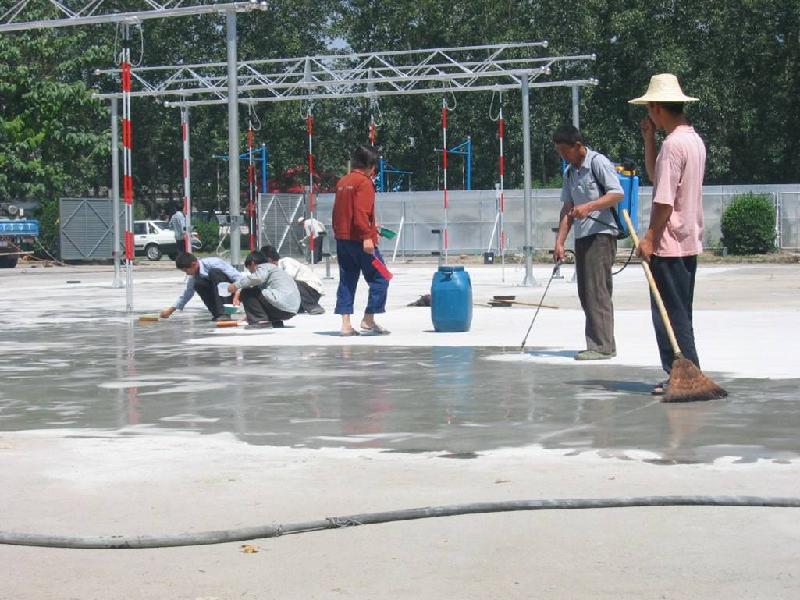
<point>659,302</point>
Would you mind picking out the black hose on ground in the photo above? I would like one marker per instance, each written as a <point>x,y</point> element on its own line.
<point>118,542</point>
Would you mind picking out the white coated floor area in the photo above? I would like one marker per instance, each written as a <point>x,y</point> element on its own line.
<point>112,426</point>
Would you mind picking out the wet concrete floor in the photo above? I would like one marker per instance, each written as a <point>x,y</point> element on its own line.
<point>113,374</point>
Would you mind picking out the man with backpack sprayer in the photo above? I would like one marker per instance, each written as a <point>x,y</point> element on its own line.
<point>590,192</point>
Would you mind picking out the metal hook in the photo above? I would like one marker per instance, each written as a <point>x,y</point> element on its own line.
<point>374,104</point>
<point>491,105</point>
<point>251,114</point>
<point>447,104</point>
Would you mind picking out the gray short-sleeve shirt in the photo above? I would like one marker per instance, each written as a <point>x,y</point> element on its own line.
<point>580,187</point>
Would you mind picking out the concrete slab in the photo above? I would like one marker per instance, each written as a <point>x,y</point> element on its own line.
<point>111,426</point>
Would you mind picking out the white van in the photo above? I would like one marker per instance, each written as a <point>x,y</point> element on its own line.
<point>155,238</point>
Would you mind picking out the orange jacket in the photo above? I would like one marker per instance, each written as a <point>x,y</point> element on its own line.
<point>354,208</point>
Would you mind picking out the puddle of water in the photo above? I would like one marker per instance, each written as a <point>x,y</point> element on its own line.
<point>456,401</point>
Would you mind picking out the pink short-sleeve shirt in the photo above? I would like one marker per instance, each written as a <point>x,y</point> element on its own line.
<point>680,167</point>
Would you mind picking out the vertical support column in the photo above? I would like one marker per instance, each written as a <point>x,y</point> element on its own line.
<point>445,240</point>
<point>127,171</point>
<point>576,122</point>
<point>251,186</point>
<point>264,159</point>
<point>233,137</point>
<point>501,198</point>
<point>187,179</point>
<point>468,158</point>
<point>526,159</point>
<point>312,231</point>
<point>117,283</point>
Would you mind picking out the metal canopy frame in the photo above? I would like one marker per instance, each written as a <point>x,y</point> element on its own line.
<point>94,12</point>
<point>91,12</point>
<point>491,67</point>
<point>371,75</point>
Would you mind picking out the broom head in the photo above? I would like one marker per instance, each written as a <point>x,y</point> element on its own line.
<point>688,384</point>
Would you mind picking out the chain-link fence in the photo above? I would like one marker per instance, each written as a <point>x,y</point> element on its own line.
<point>473,227</point>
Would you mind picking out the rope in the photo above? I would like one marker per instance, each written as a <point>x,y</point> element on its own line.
<point>614,226</point>
<point>118,542</point>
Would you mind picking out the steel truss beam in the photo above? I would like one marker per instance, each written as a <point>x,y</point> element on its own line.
<point>92,12</point>
<point>371,75</point>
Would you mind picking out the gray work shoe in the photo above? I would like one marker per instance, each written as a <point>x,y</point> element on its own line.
<point>594,355</point>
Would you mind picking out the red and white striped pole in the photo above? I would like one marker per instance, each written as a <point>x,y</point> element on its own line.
<point>501,204</point>
<point>312,230</point>
<point>127,172</point>
<point>251,186</point>
<point>444,173</point>
<point>187,182</point>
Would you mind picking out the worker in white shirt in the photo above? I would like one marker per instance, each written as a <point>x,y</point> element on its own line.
<point>313,230</point>
<point>308,284</point>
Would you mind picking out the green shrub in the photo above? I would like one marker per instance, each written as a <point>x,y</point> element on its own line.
<point>49,235</point>
<point>208,232</point>
<point>748,225</point>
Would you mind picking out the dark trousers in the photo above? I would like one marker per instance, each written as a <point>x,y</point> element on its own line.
<point>257,307</point>
<point>208,292</point>
<point>319,241</point>
<point>594,258</point>
<point>353,261</point>
<point>674,278</point>
<point>309,297</point>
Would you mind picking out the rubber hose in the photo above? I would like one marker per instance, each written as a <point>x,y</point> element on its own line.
<point>117,542</point>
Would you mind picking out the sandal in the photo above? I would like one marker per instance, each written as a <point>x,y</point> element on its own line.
<point>374,329</point>
<point>349,333</point>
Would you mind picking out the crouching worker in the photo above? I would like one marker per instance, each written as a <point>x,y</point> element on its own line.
<point>205,275</point>
<point>308,284</point>
<point>268,293</point>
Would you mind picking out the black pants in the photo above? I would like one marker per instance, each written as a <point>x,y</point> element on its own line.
<point>257,307</point>
<point>594,258</point>
<point>319,241</point>
<point>674,278</point>
<point>309,297</point>
<point>206,288</point>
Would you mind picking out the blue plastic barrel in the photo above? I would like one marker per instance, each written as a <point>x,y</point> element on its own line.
<point>451,299</point>
<point>630,185</point>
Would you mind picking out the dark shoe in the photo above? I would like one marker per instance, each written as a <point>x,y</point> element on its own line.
<point>317,310</point>
<point>594,355</point>
<point>660,388</point>
<point>259,325</point>
<point>223,317</point>
<point>277,324</point>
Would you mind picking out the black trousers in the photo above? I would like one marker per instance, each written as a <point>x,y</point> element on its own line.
<point>257,307</point>
<point>594,258</point>
<point>309,297</point>
<point>674,278</point>
<point>208,292</point>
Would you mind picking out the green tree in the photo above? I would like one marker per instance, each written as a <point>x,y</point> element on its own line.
<point>52,139</point>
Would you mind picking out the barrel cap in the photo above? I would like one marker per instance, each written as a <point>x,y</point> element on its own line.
<point>451,268</point>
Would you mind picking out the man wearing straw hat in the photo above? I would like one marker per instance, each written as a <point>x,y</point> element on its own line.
<point>674,238</point>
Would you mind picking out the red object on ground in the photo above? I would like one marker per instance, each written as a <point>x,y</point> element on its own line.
<point>381,268</point>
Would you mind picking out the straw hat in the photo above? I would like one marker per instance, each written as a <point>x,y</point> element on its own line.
<point>663,88</point>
